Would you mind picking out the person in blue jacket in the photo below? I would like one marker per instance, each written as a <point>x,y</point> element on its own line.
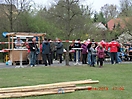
<point>46,51</point>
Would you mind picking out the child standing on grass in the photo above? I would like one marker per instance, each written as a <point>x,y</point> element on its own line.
<point>93,55</point>
<point>100,55</point>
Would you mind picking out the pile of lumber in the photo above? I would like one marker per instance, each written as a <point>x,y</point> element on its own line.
<point>46,89</point>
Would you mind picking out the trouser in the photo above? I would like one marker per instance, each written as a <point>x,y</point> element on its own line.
<point>60,57</point>
<point>89,58</point>
<point>33,58</point>
<point>56,55</point>
<point>45,58</point>
<point>93,59</point>
<point>70,56</point>
<point>51,57</point>
<point>113,57</point>
<point>100,60</point>
<point>37,60</point>
<point>78,56</point>
<point>118,57</point>
<point>84,58</point>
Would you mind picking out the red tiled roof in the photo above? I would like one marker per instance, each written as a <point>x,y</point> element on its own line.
<point>114,22</point>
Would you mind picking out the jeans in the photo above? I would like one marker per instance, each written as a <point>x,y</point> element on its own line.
<point>93,60</point>
<point>113,57</point>
<point>33,58</point>
<point>118,57</point>
<point>89,58</point>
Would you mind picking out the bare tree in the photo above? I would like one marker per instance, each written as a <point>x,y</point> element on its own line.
<point>125,8</point>
<point>109,11</point>
<point>11,9</point>
<point>70,17</point>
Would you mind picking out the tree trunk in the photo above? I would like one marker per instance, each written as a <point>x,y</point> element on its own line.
<point>11,21</point>
<point>67,55</point>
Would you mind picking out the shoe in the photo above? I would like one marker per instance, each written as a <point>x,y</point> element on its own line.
<point>35,65</point>
<point>31,65</point>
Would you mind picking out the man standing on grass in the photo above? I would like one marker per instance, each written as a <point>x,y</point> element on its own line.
<point>59,51</point>
<point>113,45</point>
<point>77,44</point>
<point>33,49</point>
<point>46,52</point>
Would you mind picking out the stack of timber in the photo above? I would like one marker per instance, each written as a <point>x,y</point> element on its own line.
<point>46,89</point>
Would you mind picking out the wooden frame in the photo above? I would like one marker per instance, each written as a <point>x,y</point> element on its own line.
<point>14,34</point>
<point>12,52</point>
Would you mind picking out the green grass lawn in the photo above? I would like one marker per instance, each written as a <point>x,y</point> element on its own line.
<point>110,76</point>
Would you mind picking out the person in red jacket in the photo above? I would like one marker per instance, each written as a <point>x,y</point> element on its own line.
<point>103,43</point>
<point>113,45</point>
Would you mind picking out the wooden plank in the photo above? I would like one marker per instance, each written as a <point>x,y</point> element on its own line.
<point>8,41</point>
<point>26,34</point>
<point>15,55</point>
<point>12,43</point>
<point>32,88</point>
<point>38,87</point>
<point>44,92</point>
<point>37,93</point>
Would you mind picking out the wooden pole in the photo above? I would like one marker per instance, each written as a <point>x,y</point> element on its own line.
<point>20,94</point>
<point>8,42</point>
<point>12,42</point>
<point>43,92</point>
<point>55,88</point>
<point>39,42</point>
<point>33,88</point>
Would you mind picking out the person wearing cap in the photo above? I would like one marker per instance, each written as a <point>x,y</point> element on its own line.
<point>18,43</point>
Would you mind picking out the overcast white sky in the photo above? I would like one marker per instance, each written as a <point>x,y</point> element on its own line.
<point>96,4</point>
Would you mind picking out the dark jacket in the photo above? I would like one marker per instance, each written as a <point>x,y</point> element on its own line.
<point>52,46</point>
<point>33,47</point>
<point>45,47</point>
<point>77,45</point>
<point>59,48</point>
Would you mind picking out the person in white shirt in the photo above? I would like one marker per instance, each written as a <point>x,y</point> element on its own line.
<point>18,43</point>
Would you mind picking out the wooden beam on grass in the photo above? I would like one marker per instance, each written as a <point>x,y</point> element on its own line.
<point>37,93</point>
<point>39,87</point>
<point>32,88</point>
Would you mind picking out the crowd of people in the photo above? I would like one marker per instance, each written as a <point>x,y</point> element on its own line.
<point>90,53</point>
<point>93,52</point>
<point>49,50</point>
